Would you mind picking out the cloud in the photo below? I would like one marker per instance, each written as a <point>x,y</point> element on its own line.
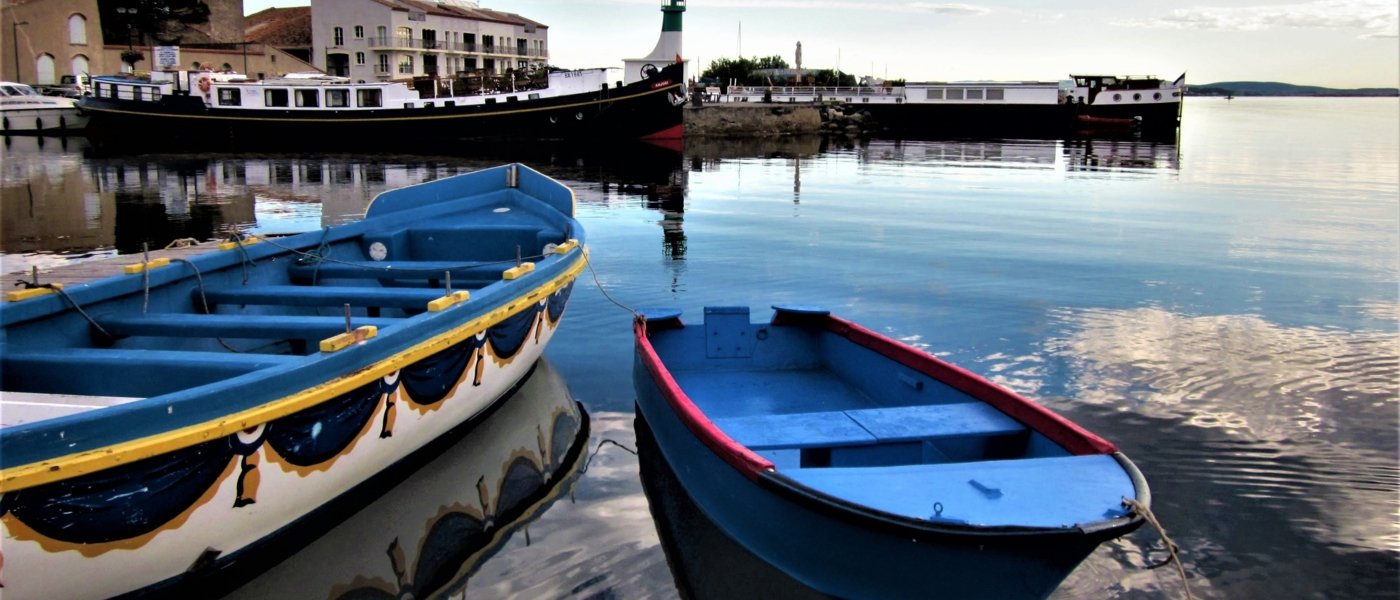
<point>1374,18</point>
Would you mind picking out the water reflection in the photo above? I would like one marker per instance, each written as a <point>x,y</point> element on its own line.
<point>431,533</point>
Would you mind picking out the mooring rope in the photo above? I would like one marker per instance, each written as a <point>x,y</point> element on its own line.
<point>1146,513</point>
<point>199,280</point>
<point>588,261</point>
<point>584,469</point>
<point>59,290</point>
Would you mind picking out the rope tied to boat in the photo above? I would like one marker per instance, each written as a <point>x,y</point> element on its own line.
<point>237,238</point>
<point>315,257</point>
<point>1146,513</point>
<point>636,315</point>
<point>28,285</point>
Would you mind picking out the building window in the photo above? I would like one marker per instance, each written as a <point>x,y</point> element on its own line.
<point>367,98</point>
<point>382,33</point>
<point>360,58</point>
<point>44,70</point>
<point>974,94</point>
<point>405,35</point>
<point>77,30</point>
<point>230,97</point>
<point>383,63</point>
<point>308,98</point>
<point>275,97</point>
<point>406,65</point>
<point>955,94</point>
<point>339,34</point>
<point>359,32</point>
<point>79,68</point>
<point>933,94</point>
<point>996,94</point>
<point>337,98</point>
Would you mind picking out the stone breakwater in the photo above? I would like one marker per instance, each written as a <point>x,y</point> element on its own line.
<point>742,119</point>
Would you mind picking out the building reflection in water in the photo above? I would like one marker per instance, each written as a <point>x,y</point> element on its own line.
<point>63,200</point>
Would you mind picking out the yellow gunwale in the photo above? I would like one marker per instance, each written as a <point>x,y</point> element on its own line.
<point>351,116</point>
<point>106,457</point>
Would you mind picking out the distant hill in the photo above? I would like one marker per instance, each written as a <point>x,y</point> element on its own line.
<point>1273,88</point>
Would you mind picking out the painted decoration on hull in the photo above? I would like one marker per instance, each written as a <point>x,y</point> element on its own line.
<point>125,507</point>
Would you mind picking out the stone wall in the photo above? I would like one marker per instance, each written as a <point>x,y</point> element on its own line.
<point>744,120</point>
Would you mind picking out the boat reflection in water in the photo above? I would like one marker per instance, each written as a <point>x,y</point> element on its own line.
<point>430,533</point>
<point>705,562</point>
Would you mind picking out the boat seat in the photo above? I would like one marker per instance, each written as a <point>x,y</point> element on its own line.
<point>124,371</point>
<point>235,326</point>
<point>464,274</point>
<point>1056,491</point>
<point>869,426</point>
<point>330,295</point>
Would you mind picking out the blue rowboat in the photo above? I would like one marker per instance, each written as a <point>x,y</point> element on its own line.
<point>159,427</point>
<point>865,468</point>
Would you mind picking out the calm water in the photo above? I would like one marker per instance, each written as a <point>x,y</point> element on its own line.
<point>1225,309</point>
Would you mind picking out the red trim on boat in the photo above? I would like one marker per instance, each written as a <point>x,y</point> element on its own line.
<point>670,133</point>
<point>737,455</point>
<point>1062,431</point>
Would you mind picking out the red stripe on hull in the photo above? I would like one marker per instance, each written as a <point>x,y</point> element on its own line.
<point>670,133</point>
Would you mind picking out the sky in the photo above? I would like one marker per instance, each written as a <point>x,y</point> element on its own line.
<point>1332,43</point>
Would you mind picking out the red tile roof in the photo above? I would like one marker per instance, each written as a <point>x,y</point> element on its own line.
<point>461,11</point>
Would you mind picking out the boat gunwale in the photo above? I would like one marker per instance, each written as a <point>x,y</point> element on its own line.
<point>763,473</point>
<point>129,107</point>
<point>394,350</point>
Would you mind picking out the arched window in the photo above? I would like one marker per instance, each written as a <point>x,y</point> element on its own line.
<point>79,66</point>
<point>77,30</point>
<point>44,70</point>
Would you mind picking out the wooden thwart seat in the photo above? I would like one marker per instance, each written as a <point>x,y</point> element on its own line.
<point>463,273</point>
<point>869,426</point>
<point>235,326</point>
<point>123,371</point>
<point>331,295</point>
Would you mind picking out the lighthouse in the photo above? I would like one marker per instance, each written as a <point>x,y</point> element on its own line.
<point>668,46</point>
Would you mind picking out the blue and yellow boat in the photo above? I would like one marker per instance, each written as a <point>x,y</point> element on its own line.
<point>864,468</point>
<point>161,426</point>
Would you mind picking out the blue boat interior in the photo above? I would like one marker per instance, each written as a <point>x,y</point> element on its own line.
<point>262,305</point>
<point>850,423</point>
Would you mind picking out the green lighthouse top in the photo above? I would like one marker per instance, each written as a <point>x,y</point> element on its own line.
<point>671,14</point>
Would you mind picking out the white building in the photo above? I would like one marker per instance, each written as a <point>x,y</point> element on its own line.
<point>397,39</point>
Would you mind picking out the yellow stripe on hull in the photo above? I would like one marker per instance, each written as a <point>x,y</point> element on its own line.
<point>98,459</point>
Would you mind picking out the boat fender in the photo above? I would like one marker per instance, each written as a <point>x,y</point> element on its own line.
<point>204,85</point>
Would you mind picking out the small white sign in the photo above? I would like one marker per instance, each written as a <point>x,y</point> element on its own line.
<point>167,57</point>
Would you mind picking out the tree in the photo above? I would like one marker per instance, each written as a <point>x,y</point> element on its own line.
<point>772,62</point>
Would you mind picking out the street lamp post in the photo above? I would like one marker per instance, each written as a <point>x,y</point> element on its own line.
<point>14,35</point>
<point>128,14</point>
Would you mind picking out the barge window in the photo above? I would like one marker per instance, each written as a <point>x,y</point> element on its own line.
<point>974,94</point>
<point>230,97</point>
<point>308,98</point>
<point>955,94</point>
<point>933,94</point>
<point>338,98</point>
<point>277,97</point>
<point>368,98</point>
<point>996,94</point>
